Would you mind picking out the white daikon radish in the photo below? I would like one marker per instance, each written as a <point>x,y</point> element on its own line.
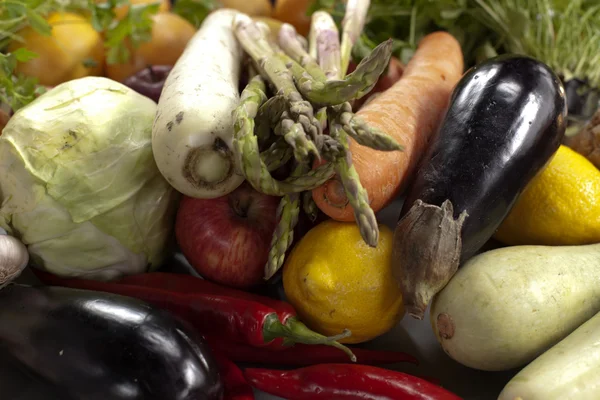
<point>507,306</point>
<point>193,130</point>
<point>568,371</point>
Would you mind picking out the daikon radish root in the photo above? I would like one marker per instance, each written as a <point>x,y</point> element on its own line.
<point>193,130</point>
<point>410,112</point>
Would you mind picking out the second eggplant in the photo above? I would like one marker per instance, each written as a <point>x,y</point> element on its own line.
<point>101,346</point>
<point>505,120</point>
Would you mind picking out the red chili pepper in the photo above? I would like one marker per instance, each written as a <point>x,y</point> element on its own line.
<point>304,355</point>
<point>233,319</point>
<point>345,382</point>
<point>187,283</point>
<point>235,384</point>
<point>190,284</point>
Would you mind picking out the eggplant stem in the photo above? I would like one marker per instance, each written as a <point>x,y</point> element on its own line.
<point>152,74</point>
<point>426,253</point>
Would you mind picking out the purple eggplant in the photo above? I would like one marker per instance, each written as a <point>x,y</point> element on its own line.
<point>505,120</point>
<point>101,346</point>
<point>149,81</point>
<point>582,100</point>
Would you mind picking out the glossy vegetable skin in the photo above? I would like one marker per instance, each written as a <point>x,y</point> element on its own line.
<point>236,387</point>
<point>345,382</point>
<point>211,309</point>
<point>505,120</point>
<point>149,81</point>
<point>99,346</point>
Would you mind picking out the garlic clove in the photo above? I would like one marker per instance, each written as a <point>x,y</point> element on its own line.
<point>14,257</point>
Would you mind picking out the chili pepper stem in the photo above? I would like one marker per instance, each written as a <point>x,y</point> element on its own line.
<point>301,354</point>
<point>295,331</point>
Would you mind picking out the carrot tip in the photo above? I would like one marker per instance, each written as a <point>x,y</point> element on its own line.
<point>334,194</point>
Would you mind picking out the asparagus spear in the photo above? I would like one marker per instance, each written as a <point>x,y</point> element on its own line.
<point>309,206</point>
<point>327,44</point>
<point>321,116</point>
<point>353,86</point>
<point>324,44</point>
<point>355,192</point>
<point>254,42</point>
<point>287,215</point>
<point>289,206</point>
<point>245,147</point>
<point>302,41</point>
<point>277,155</point>
<point>360,131</point>
<point>294,134</point>
<point>291,45</point>
<point>274,115</point>
<point>267,117</point>
<point>352,25</point>
<point>333,149</point>
<point>312,37</point>
<point>288,39</point>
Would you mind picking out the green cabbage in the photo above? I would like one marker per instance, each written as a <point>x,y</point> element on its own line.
<point>79,185</point>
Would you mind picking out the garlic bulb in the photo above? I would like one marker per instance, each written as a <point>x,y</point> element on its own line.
<point>13,258</point>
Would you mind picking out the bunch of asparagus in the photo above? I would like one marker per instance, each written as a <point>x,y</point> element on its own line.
<point>297,89</point>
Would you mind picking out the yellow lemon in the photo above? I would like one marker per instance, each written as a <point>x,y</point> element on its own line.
<point>336,281</point>
<point>73,50</point>
<point>560,206</point>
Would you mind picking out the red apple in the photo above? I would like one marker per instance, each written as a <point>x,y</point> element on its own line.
<point>227,239</point>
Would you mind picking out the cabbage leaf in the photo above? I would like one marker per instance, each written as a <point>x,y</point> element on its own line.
<point>79,184</point>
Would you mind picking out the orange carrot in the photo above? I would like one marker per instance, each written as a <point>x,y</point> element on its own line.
<point>409,111</point>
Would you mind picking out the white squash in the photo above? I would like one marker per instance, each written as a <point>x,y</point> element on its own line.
<point>505,307</point>
<point>568,371</point>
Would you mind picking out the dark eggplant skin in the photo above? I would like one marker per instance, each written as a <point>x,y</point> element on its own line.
<point>149,82</point>
<point>582,100</point>
<point>506,118</point>
<point>100,346</point>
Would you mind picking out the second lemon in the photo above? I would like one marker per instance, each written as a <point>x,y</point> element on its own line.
<point>559,207</point>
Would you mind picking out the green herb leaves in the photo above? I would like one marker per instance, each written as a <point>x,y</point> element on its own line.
<point>132,30</point>
<point>195,10</point>
<point>17,91</point>
<point>563,34</point>
<point>120,35</point>
<point>17,14</point>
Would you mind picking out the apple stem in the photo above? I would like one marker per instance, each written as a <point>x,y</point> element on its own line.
<point>241,206</point>
<point>238,209</point>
